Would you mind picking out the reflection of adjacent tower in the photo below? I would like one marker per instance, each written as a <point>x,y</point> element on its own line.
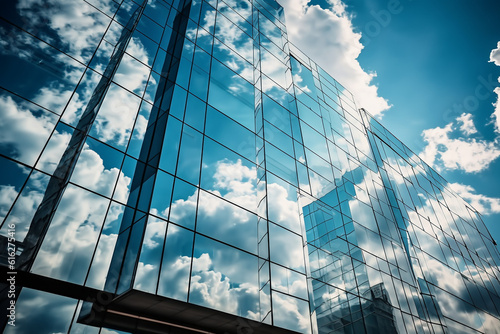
<point>374,315</point>
<point>343,298</point>
<point>378,310</point>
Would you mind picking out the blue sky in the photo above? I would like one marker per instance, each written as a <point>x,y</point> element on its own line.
<point>424,68</point>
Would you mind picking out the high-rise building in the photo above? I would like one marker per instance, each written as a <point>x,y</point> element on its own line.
<point>177,166</point>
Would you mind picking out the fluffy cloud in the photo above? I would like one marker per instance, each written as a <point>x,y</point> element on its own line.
<point>72,236</point>
<point>438,272</point>
<point>469,155</point>
<point>231,35</point>
<point>467,127</point>
<point>116,117</point>
<point>91,173</point>
<point>8,195</point>
<point>119,110</point>
<point>24,207</point>
<point>223,281</point>
<point>287,281</point>
<point>339,48</point>
<point>74,231</point>
<point>102,258</point>
<point>23,132</point>
<point>53,98</point>
<point>495,58</point>
<point>216,290</point>
<point>78,25</point>
<point>484,204</point>
<point>451,281</point>
<point>291,313</point>
<point>495,55</point>
<point>146,277</point>
<point>496,114</point>
<point>281,209</point>
<point>235,183</point>
<point>216,281</point>
<point>42,312</point>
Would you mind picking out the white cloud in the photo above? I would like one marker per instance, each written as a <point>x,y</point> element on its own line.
<point>155,233</point>
<point>24,132</point>
<point>469,155</point>
<point>8,195</point>
<point>91,173</point>
<point>116,116</point>
<point>141,124</point>
<point>495,58</point>
<point>42,312</point>
<point>131,74</point>
<point>53,98</point>
<point>119,109</point>
<point>234,182</point>
<point>74,231</point>
<point>484,204</point>
<point>237,183</point>
<point>275,70</point>
<point>174,277</point>
<point>297,79</point>
<point>81,97</point>
<point>145,273</point>
<point>232,36</point>
<point>496,114</point>
<point>291,313</point>
<point>286,281</point>
<point>281,210</point>
<point>226,281</point>
<point>338,50</point>
<point>71,238</point>
<point>495,55</point>
<point>467,127</point>
<point>23,211</point>
<point>78,25</point>
<point>101,261</point>
<point>213,290</point>
<point>213,284</point>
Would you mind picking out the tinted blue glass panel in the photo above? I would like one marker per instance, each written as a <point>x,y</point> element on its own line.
<point>231,134</point>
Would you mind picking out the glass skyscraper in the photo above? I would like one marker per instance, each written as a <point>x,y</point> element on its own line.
<point>177,166</point>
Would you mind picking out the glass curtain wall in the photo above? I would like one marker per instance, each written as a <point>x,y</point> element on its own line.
<point>186,151</point>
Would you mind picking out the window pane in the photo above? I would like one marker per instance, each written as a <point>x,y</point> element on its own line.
<point>280,239</point>
<point>231,134</point>
<point>148,268</point>
<point>184,201</point>
<point>226,222</point>
<point>188,164</point>
<point>232,95</point>
<point>176,263</point>
<point>224,278</point>
<point>291,313</point>
<point>68,246</point>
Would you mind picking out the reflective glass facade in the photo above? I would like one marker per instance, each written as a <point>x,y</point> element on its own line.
<point>180,167</point>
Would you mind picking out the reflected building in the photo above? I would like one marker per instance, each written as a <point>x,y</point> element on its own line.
<point>378,311</point>
<point>177,166</point>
